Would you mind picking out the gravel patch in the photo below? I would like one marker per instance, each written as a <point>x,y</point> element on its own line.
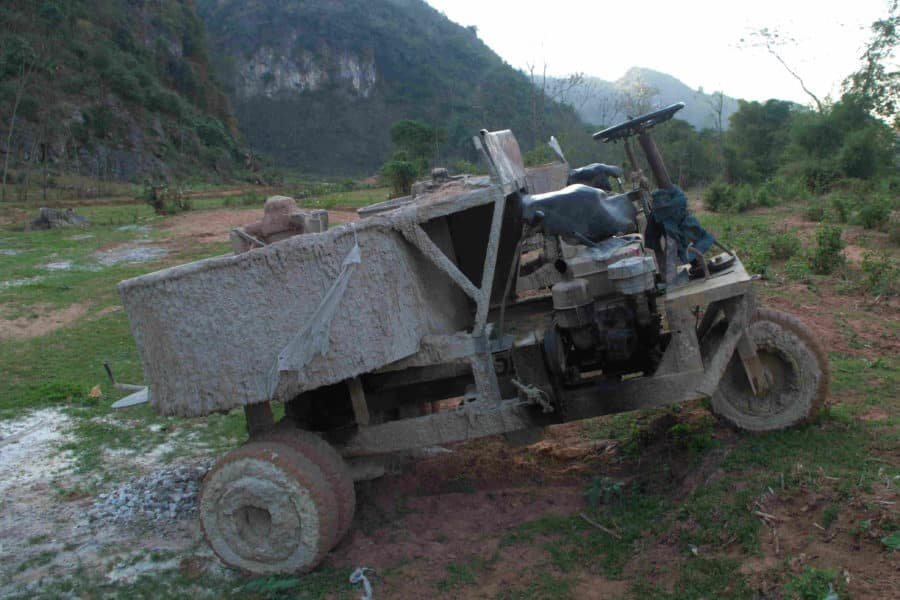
<point>62,265</point>
<point>27,455</point>
<point>137,228</point>
<point>130,253</point>
<point>167,494</point>
<point>20,282</point>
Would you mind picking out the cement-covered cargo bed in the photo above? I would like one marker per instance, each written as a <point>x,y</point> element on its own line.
<point>210,332</point>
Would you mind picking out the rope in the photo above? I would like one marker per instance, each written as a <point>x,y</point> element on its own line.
<point>359,576</point>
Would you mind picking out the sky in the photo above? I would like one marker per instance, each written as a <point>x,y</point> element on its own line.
<point>697,41</point>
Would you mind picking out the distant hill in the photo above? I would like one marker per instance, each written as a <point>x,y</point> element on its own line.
<point>317,85</point>
<point>602,103</point>
<point>112,90</point>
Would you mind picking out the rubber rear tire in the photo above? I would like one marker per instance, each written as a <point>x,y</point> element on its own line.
<point>332,465</point>
<point>793,361</point>
<point>265,508</point>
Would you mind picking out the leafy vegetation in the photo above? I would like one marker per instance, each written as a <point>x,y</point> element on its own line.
<point>109,90</point>
<point>427,69</point>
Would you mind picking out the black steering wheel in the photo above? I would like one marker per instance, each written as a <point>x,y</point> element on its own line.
<point>638,125</point>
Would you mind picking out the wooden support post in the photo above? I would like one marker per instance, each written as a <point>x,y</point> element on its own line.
<point>358,399</point>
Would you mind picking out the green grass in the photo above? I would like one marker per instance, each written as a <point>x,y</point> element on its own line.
<point>176,583</point>
<point>346,200</point>
<point>814,584</point>
<point>699,579</point>
<point>572,543</point>
<point>639,499</point>
<point>542,586</point>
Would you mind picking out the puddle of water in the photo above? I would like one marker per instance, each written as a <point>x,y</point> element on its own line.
<point>83,236</point>
<point>21,282</point>
<point>63,265</point>
<point>9,252</point>
<point>130,254</point>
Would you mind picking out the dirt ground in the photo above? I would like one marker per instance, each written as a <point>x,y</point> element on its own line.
<point>427,528</point>
<point>42,321</point>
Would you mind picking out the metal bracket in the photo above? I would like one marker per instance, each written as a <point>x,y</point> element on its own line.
<point>756,374</point>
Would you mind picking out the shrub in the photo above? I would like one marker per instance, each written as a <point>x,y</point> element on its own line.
<point>717,196</point>
<point>165,201</point>
<point>767,194</point>
<point>797,268</point>
<point>790,189</point>
<point>465,167</point>
<point>400,174</point>
<point>29,107</point>
<point>124,83</point>
<point>827,254</point>
<point>840,208</point>
<point>880,274</point>
<point>893,229</point>
<point>213,133</point>
<point>820,175</point>
<point>815,209</point>
<point>163,100</point>
<point>252,199</point>
<point>785,245</point>
<point>743,198</point>
<point>603,490</point>
<point>873,213</point>
<point>812,584</point>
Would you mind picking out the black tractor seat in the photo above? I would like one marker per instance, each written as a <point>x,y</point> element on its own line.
<point>580,214</point>
<point>595,175</point>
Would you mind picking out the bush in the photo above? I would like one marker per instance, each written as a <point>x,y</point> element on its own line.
<point>461,167</point>
<point>743,199</point>
<point>790,189</point>
<point>400,174</point>
<point>813,584</point>
<point>874,213</point>
<point>717,196</point>
<point>797,268</point>
<point>840,208</point>
<point>163,100</point>
<point>893,229</point>
<point>785,245</point>
<point>815,210</point>
<point>820,175</point>
<point>827,254</point>
<point>213,133</point>
<point>767,194</point>
<point>29,107</point>
<point>252,199</point>
<point>163,200</point>
<point>880,274</point>
<point>124,83</point>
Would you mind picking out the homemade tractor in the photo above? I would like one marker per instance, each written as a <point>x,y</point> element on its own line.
<point>481,306</point>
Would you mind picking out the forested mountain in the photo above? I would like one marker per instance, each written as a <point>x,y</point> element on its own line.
<point>318,84</point>
<point>601,102</point>
<point>109,89</point>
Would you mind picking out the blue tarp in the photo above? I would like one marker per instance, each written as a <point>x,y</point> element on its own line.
<point>670,216</point>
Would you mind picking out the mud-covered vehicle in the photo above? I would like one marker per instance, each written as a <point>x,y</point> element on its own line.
<point>483,306</point>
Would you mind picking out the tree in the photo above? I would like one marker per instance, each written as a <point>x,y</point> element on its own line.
<point>756,139</point>
<point>773,40</point>
<point>20,59</point>
<point>638,97</point>
<point>716,102</point>
<point>875,85</point>
<point>418,141</point>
